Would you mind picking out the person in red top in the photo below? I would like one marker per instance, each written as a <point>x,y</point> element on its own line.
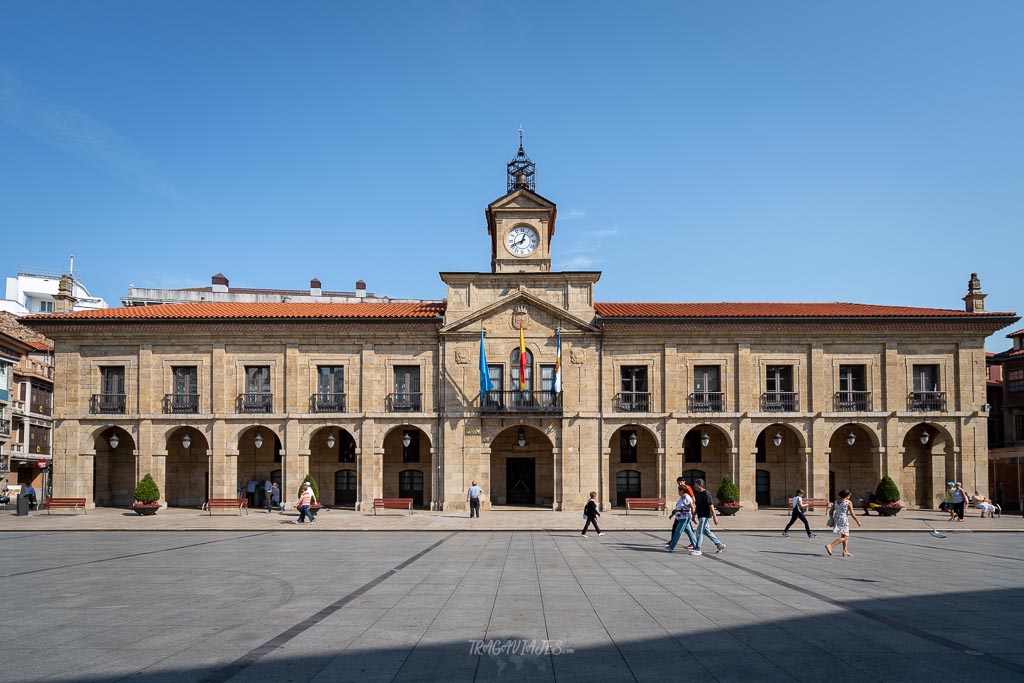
<point>306,498</point>
<point>683,487</point>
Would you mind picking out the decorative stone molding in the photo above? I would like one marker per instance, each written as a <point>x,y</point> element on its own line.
<point>462,355</point>
<point>577,355</point>
<point>520,315</point>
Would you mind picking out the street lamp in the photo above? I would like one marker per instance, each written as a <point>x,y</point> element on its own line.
<point>632,440</point>
<point>522,437</point>
<point>186,441</point>
<point>258,441</point>
<point>925,436</point>
<point>330,441</point>
<point>704,439</point>
<point>777,439</point>
<point>114,441</point>
<point>406,439</point>
<point>851,438</point>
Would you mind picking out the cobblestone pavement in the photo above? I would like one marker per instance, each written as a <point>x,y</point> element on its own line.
<point>273,604</point>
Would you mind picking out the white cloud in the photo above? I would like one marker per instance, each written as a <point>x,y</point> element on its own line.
<point>585,251</point>
<point>573,215</point>
<point>75,131</point>
<point>580,262</point>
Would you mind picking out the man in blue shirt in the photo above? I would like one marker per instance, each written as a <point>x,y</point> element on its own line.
<point>473,496</point>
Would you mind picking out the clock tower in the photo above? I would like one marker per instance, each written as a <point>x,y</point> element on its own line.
<point>521,223</point>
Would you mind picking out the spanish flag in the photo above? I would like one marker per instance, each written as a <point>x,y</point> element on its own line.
<point>522,359</point>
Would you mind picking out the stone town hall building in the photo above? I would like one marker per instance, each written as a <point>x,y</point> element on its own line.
<point>383,399</point>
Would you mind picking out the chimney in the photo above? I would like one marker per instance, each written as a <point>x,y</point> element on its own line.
<point>360,289</point>
<point>219,282</point>
<point>64,300</point>
<point>975,299</point>
<point>314,287</point>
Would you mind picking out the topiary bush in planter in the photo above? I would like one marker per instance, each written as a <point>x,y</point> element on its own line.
<point>147,496</point>
<point>887,498</point>
<point>728,497</point>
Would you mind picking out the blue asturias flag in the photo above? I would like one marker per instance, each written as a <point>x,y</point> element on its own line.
<point>485,377</point>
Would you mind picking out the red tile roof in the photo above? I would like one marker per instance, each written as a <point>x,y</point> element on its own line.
<point>775,310</point>
<point>222,311</point>
<point>40,345</point>
<point>1010,353</point>
<point>1018,333</point>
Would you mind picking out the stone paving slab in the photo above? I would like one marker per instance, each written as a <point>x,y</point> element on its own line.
<point>182,519</point>
<point>508,606</point>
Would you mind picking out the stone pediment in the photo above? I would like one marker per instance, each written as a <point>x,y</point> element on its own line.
<point>521,199</point>
<point>521,304</point>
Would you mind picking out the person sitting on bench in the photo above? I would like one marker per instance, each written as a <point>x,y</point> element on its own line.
<point>29,493</point>
<point>984,504</point>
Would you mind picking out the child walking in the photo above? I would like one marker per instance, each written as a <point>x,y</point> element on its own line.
<point>591,514</point>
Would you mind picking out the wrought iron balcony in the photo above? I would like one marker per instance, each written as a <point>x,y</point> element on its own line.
<point>405,402</point>
<point>851,401</point>
<point>926,401</point>
<point>633,402</point>
<point>706,402</point>
<point>255,403</point>
<point>780,401</point>
<point>327,403</point>
<point>108,404</point>
<point>181,403</point>
<point>521,402</point>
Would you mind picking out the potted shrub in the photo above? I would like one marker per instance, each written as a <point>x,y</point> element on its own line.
<point>887,498</point>
<point>315,508</point>
<point>147,497</point>
<point>728,498</point>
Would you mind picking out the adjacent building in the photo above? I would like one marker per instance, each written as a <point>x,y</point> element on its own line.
<point>220,291</point>
<point>1006,423</point>
<point>523,381</point>
<point>35,290</point>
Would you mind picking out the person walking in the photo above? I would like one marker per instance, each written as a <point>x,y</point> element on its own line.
<point>683,513</point>
<point>798,513</point>
<point>306,498</point>
<point>591,514</point>
<point>841,512</point>
<point>250,491</point>
<point>960,498</point>
<point>268,488</point>
<point>706,513</point>
<point>275,498</point>
<point>473,496</point>
<point>947,503</point>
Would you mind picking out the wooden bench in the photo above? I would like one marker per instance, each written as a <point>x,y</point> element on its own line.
<point>644,504</point>
<point>392,504</point>
<point>65,504</point>
<point>809,503</point>
<point>238,504</point>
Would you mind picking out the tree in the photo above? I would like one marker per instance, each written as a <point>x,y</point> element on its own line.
<point>312,483</point>
<point>147,491</point>
<point>887,491</point>
<point>728,492</point>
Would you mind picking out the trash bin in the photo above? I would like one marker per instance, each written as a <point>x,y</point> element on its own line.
<point>22,505</point>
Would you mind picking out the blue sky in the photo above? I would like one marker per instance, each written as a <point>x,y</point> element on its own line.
<point>698,151</point>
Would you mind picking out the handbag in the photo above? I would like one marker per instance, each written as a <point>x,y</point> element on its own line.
<point>584,515</point>
<point>802,509</point>
<point>831,521</point>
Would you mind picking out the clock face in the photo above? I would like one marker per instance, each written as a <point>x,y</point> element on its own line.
<point>521,240</point>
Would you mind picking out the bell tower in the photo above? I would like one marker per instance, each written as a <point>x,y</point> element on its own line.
<point>521,223</point>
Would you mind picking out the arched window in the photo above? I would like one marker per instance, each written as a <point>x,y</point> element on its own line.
<point>515,371</point>
<point>627,485</point>
<point>691,476</point>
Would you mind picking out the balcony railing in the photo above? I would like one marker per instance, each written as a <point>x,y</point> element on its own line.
<point>406,402</point>
<point>27,366</point>
<point>327,403</point>
<point>851,401</point>
<point>255,403</point>
<point>181,403</point>
<point>779,401</point>
<point>17,449</point>
<point>521,402</point>
<point>926,401</point>
<point>108,404</point>
<point>633,402</point>
<point>17,406</point>
<point>706,402</point>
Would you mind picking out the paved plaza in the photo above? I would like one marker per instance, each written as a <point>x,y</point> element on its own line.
<point>306,605</point>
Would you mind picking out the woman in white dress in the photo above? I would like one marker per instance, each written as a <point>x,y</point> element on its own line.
<point>841,511</point>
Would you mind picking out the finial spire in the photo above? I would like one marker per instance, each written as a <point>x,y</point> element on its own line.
<point>520,137</point>
<point>521,170</point>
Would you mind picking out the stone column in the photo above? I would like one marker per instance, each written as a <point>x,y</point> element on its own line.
<point>938,481</point>
<point>746,478</point>
<point>223,463</point>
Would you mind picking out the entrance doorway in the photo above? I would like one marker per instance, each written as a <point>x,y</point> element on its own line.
<point>345,487</point>
<point>410,485</point>
<point>627,485</point>
<point>763,488</point>
<point>521,479</point>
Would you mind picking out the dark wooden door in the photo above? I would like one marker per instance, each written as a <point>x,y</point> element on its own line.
<point>345,487</point>
<point>763,490</point>
<point>521,479</point>
<point>627,485</point>
<point>410,485</point>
